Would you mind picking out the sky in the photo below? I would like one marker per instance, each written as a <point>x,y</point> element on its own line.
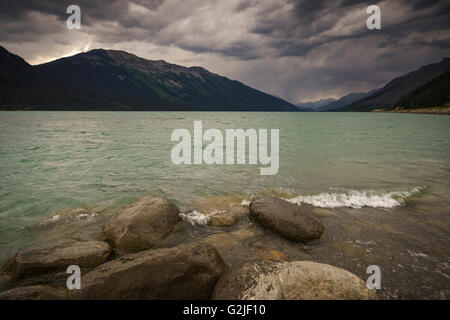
<point>299,50</point>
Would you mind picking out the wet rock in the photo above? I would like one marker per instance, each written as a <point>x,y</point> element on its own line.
<point>270,254</point>
<point>286,218</point>
<point>187,271</point>
<point>141,225</point>
<point>321,212</point>
<point>227,218</point>
<point>33,293</point>
<point>247,231</point>
<point>297,280</point>
<point>57,256</point>
<point>221,241</point>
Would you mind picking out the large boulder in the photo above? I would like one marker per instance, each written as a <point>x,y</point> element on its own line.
<point>228,217</point>
<point>141,225</point>
<point>56,257</point>
<point>188,271</point>
<point>33,293</point>
<point>286,218</point>
<point>297,280</point>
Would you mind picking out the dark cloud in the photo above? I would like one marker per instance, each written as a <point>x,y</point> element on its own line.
<point>93,11</point>
<point>244,5</point>
<point>297,49</point>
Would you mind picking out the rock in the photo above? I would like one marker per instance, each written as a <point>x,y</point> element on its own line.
<point>141,225</point>
<point>57,256</point>
<point>221,241</point>
<point>286,218</point>
<point>33,293</point>
<point>188,271</point>
<point>270,254</point>
<point>228,218</point>
<point>247,231</point>
<point>297,280</point>
<point>321,212</point>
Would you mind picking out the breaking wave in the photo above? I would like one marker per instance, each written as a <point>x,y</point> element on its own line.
<point>348,199</point>
<point>195,217</point>
<point>357,199</point>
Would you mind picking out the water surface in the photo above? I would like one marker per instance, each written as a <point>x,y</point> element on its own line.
<point>52,162</point>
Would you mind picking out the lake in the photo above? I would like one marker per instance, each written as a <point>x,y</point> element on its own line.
<point>373,165</point>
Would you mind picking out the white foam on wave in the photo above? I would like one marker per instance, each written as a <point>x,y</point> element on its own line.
<point>86,215</point>
<point>246,203</point>
<point>72,215</point>
<point>215,211</point>
<point>195,217</point>
<point>52,219</point>
<point>356,199</point>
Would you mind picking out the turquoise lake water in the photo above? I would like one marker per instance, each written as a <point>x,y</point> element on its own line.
<point>55,161</point>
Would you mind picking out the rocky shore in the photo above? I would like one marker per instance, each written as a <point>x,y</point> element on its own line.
<point>433,110</point>
<point>133,259</point>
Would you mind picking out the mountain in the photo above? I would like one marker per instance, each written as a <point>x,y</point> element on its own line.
<point>117,80</point>
<point>22,87</point>
<point>313,105</point>
<point>387,96</point>
<point>346,100</point>
<point>124,74</point>
<point>332,104</point>
<point>434,93</point>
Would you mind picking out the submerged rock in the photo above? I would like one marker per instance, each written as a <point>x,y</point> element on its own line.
<point>297,280</point>
<point>33,293</point>
<point>270,254</point>
<point>286,218</point>
<point>227,218</point>
<point>57,256</point>
<point>221,241</point>
<point>187,271</point>
<point>141,225</point>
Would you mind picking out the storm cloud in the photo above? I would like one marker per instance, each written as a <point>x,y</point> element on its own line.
<point>299,50</point>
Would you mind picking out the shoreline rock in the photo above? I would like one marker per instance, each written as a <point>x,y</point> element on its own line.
<point>188,271</point>
<point>228,218</point>
<point>56,257</point>
<point>286,218</point>
<point>297,280</point>
<point>33,293</point>
<point>141,225</point>
<point>270,254</point>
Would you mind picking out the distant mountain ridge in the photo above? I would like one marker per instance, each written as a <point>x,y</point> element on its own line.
<point>387,96</point>
<point>332,104</point>
<point>314,105</point>
<point>425,87</point>
<point>346,100</point>
<point>118,80</point>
